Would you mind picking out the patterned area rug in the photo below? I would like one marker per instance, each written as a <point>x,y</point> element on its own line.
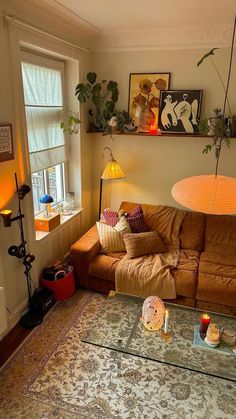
<point>56,376</point>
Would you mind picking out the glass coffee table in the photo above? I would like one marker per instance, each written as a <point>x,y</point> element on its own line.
<point>117,326</point>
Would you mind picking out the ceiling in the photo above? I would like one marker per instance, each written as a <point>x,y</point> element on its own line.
<point>123,15</point>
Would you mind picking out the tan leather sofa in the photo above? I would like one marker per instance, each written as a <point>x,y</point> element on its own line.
<point>205,276</point>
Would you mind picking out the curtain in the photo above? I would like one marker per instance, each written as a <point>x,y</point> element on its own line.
<point>44,111</point>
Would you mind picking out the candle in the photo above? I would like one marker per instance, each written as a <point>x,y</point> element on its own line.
<point>205,321</point>
<point>166,321</point>
<point>153,129</point>
<point>213,333</point>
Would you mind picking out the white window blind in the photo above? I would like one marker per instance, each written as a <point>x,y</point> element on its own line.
<point>43,105</point>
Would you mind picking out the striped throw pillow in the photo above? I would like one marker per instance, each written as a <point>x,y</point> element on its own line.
<point>140,244</point>
<point>110,237</point>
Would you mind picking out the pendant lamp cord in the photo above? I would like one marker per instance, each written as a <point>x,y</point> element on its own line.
<point>218,141</point>
<point>111,154</point>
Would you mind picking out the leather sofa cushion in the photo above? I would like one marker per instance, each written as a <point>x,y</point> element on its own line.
<point>217,279</point>
<point>104,266</point>
<point>216,289</point>
<point>160,218</point>
<point>218,264</point>
<point>192,229</point>
<point>220,234</point>
<point>186,273</point>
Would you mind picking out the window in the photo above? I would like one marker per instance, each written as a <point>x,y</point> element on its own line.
<point>43,81</point>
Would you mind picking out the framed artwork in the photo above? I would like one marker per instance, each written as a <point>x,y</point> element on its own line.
<point>144,96</point>
<point>180,111</point>
<point>6,144</point>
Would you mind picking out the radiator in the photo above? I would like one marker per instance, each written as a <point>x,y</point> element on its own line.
<point>3,320</point>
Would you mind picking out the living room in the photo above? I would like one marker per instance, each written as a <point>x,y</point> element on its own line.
<point>115,41</point>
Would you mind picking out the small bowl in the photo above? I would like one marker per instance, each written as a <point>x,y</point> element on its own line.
<point>212,344</point>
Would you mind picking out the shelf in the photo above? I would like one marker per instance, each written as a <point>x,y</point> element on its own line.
<point>146,134</point>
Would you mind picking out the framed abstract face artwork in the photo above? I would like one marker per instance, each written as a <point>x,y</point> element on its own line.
<point>180,111</point>
<point>144,96</point>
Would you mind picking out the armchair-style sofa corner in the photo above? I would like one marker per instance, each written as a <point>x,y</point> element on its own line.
<point>205,276</point>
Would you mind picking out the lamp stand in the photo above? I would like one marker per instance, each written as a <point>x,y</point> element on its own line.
<point>100,199</point>
<point>33,317</point>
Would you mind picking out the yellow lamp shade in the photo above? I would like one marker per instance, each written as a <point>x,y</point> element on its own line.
<point>209,194</point>
<point>112,171</point>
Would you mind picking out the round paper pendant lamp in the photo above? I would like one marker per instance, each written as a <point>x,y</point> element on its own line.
<point>207,193</point>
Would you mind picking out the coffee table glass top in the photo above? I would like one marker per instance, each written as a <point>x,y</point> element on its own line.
<point>117,326</point>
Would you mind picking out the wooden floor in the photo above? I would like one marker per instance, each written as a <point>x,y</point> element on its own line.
<point>11,341</point>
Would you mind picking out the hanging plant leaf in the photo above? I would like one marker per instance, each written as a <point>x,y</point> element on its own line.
<point>91,77</point>
<point>207,148</point>
<point>211,52</point>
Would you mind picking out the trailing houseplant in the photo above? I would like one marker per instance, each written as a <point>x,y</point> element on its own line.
<point>71,123</point>
<point>218,125</point>
<point>222,126</point>
<point>104,96</point>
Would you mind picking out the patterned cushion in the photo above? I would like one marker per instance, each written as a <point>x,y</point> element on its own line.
<point>110,237</point>
<point>143,244</point>
<point>135,219</point>
<point>111,217</point>
<point>137,223</point>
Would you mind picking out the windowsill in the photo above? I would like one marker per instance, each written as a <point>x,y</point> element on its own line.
<point>39,235</point>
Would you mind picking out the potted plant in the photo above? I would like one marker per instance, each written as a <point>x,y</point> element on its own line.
<point>104,96</point>
<point>219,126</point>
<point>71,123</point>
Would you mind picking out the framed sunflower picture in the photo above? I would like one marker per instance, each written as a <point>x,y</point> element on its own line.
<point>144,96</point>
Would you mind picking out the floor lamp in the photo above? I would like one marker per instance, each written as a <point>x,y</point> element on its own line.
<point>112,171</point>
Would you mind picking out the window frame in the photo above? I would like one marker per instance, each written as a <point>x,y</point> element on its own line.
<point>51,62</point>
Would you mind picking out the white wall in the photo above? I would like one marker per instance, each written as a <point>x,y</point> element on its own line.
<point>153,164</point>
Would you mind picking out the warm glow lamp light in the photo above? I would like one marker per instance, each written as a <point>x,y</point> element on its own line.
<point>112,171</point>
<point>210,194</point>
<point>34,316</point>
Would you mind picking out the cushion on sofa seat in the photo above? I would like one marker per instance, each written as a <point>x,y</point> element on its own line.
<point>217,278</point>
<point>163,219</point>
<point>218,264</point>
<point>134,217</point>
<point>104,266</point>
<point>141,244</point>
<point>192,231</point>
<point>186,273</point>
<point>111,237</point>
<point>220,234</point>
<point>216,289</point>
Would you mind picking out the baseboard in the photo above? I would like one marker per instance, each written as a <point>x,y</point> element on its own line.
<point>13,319</point>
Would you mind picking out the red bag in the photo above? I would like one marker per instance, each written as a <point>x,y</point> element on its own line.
<point>64,287</point>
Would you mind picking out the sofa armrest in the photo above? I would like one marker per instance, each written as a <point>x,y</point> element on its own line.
<point>82,251</point>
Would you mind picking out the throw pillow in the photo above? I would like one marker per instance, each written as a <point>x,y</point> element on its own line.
<point>110,237</point>
<point>111,217</point>
<point>135,219</point>
<point>137,223</point>
<point>141,244</point>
